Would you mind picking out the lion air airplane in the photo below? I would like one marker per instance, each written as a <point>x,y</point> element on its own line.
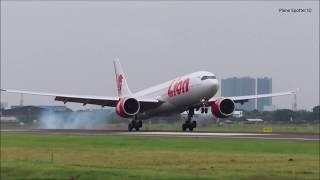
<point>195,91</point>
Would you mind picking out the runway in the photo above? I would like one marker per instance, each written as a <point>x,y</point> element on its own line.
<point>227,135</point>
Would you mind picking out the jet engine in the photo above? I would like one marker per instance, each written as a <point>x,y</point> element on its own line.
<point>223,107</point>
<point>127,106</point>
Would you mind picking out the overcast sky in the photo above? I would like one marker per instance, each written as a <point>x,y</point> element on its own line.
<point>68,47</point>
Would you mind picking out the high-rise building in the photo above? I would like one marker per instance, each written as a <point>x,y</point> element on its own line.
<point>240,87</point>
<point>264,86</point>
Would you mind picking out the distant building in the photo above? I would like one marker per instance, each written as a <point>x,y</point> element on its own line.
<point>240,87</point>
<point>56,108</point>
<point>47,108</point>
<point>237,114</point>
<point>254,120</point>
<point>264,86</point>
<point>8,119</point>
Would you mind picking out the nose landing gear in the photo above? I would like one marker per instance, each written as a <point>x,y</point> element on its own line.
<point>204,110</point>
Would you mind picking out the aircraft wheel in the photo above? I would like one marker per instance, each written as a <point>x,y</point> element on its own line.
<point>194,124</point>
<point>140,124</point>
<point>130,127</point>
<point>184,127</point>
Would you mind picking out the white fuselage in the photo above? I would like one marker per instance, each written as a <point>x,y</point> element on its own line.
<point>181,93</point>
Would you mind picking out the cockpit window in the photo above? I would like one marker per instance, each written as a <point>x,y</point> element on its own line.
<point>208,77</point>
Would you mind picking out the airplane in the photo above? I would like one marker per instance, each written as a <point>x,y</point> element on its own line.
<point>191,92</point>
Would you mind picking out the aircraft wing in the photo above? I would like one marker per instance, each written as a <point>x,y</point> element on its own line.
<point>96,100</point>
<point>243,99</point>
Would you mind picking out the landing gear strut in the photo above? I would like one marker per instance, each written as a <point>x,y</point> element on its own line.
<point>189,124</point>
<point>204,108</point>
<point>136,124</point>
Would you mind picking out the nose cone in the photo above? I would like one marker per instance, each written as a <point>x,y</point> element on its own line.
<point>214,85</point>
<point>210,83</point>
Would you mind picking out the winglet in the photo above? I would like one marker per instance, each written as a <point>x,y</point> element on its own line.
<point>122,86</point>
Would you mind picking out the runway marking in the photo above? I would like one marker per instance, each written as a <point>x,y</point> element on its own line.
<point>103,132</point>
<point>194,134</point>
<point>277,138</point>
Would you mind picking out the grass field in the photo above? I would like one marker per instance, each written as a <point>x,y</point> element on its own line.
<point>30,156</point>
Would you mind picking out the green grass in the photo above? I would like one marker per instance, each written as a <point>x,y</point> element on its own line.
<point>30,156</point>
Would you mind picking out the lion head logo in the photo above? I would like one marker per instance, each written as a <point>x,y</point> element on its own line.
<point>119,83</point>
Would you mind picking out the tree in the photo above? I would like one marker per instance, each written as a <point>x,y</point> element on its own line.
<point>283,115</point>
<point>315,115</point>
<point>316,109</point>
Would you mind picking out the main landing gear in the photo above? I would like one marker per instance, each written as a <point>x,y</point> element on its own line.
<point>189,124</point>
<point>136,124</point>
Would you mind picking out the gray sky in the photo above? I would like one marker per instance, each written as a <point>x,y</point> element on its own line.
<point>68,47</point>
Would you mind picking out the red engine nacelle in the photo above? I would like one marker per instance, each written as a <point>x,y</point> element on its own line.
<point>222,107</point>
<point>127,107</point>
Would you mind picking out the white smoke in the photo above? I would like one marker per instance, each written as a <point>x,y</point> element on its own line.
<point>74,120</point>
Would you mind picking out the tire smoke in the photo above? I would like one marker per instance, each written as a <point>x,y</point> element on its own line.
<point>75,120</point>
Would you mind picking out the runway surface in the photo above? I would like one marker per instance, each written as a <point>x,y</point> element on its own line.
<point>229,135</point>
